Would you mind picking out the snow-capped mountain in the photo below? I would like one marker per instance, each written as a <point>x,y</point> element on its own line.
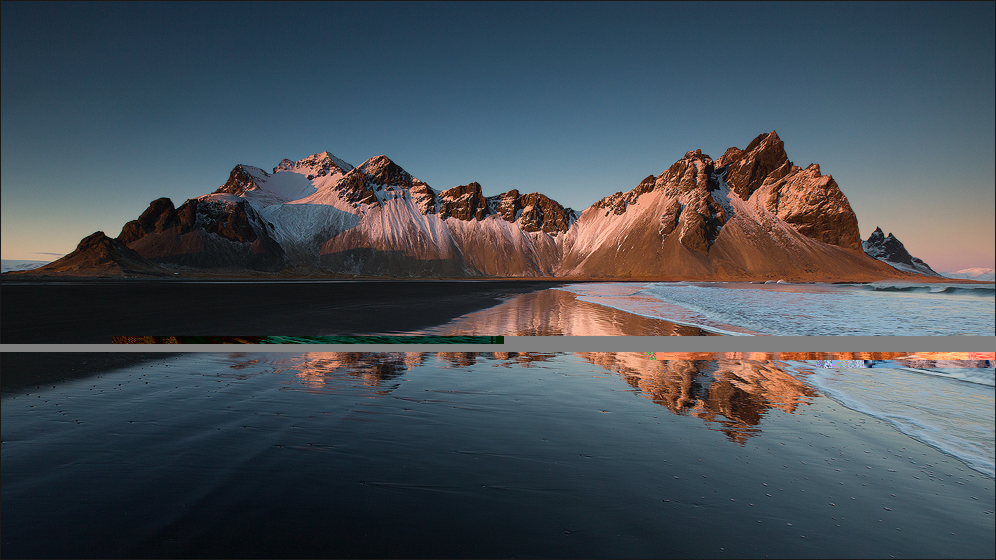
<point>981,274</point>
<point>891,251</point>
<point>749,215</point>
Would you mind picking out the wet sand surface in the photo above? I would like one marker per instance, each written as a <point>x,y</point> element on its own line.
<point>554,312</point>
<point>92,311</point>
<point>470,455</point>
<point>23,371</point>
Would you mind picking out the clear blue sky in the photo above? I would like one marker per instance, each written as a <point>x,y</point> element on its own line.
<point>106,107</point>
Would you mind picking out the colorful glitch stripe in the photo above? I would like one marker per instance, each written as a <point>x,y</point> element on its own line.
<point>828,359</point>
<point>399,339</point>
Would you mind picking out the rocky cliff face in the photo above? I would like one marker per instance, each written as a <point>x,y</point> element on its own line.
<point>464,202</point>
<point>891,251</point>
<point>764,159</point>
<point>751,214</point>
<point>214,231</point>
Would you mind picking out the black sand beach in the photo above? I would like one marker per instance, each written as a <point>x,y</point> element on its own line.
<point>470,455</point>
<point>23,371</point>
<point>93,310</point>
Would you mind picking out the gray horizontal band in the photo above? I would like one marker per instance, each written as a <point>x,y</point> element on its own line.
<point>581,344</point>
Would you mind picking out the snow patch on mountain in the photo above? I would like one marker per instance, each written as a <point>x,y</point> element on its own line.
<point>722,196</point>
<point>291,180</point>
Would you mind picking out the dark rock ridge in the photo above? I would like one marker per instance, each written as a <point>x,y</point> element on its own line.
<point>98,254</point>
<point>888,249</point>
<point>464,202</point>
<point>533,211</point>
<point>751,214</point>
<point>204,232</point>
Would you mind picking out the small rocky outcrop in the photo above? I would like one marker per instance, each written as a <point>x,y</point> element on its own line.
<point>359,185</point>
<point>540,212</point>
<point>221,225</point>
<point>507,205</point>
<point>424,198</point>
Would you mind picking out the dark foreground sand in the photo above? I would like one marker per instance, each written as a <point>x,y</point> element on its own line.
<point>24,371</point>
<point>93,310</point>
<point>469,455</point>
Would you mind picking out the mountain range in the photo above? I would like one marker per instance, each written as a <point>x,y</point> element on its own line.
<point>749,215</point>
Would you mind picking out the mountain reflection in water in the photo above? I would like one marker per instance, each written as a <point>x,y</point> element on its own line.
<point>733,394</point>
<point>554,312</point>
<point>497,454</point>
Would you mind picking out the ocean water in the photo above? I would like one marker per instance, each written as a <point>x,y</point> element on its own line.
<point>363,454</point>
<point>877,309</point>
<point>952,409</point>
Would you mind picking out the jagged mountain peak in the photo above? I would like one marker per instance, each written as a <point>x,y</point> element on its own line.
<point>242,179</point>
<point>751,213</point>
<point>380,170</point>
<point>770,139</point>
<point>315,165</point>
<point>889,249</point>
<point>697,155</point>
<point>378,179</point>
<point>746,170</point>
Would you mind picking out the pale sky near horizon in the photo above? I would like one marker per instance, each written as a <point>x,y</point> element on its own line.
<point>106,107</point>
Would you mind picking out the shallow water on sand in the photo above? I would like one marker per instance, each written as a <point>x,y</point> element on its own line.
<point>729,308</point>
<point>877,309</point>
<point>468,454</point>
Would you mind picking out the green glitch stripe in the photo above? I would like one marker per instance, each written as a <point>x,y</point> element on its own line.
<point>400,339</point>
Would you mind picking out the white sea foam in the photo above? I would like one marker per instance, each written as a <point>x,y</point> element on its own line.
<point>807,309</point>
<point>950,409</point>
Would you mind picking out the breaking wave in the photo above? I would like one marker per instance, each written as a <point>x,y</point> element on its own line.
<point>984,290</point>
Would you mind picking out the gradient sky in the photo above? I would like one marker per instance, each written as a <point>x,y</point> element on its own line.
<point>106,107</point>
